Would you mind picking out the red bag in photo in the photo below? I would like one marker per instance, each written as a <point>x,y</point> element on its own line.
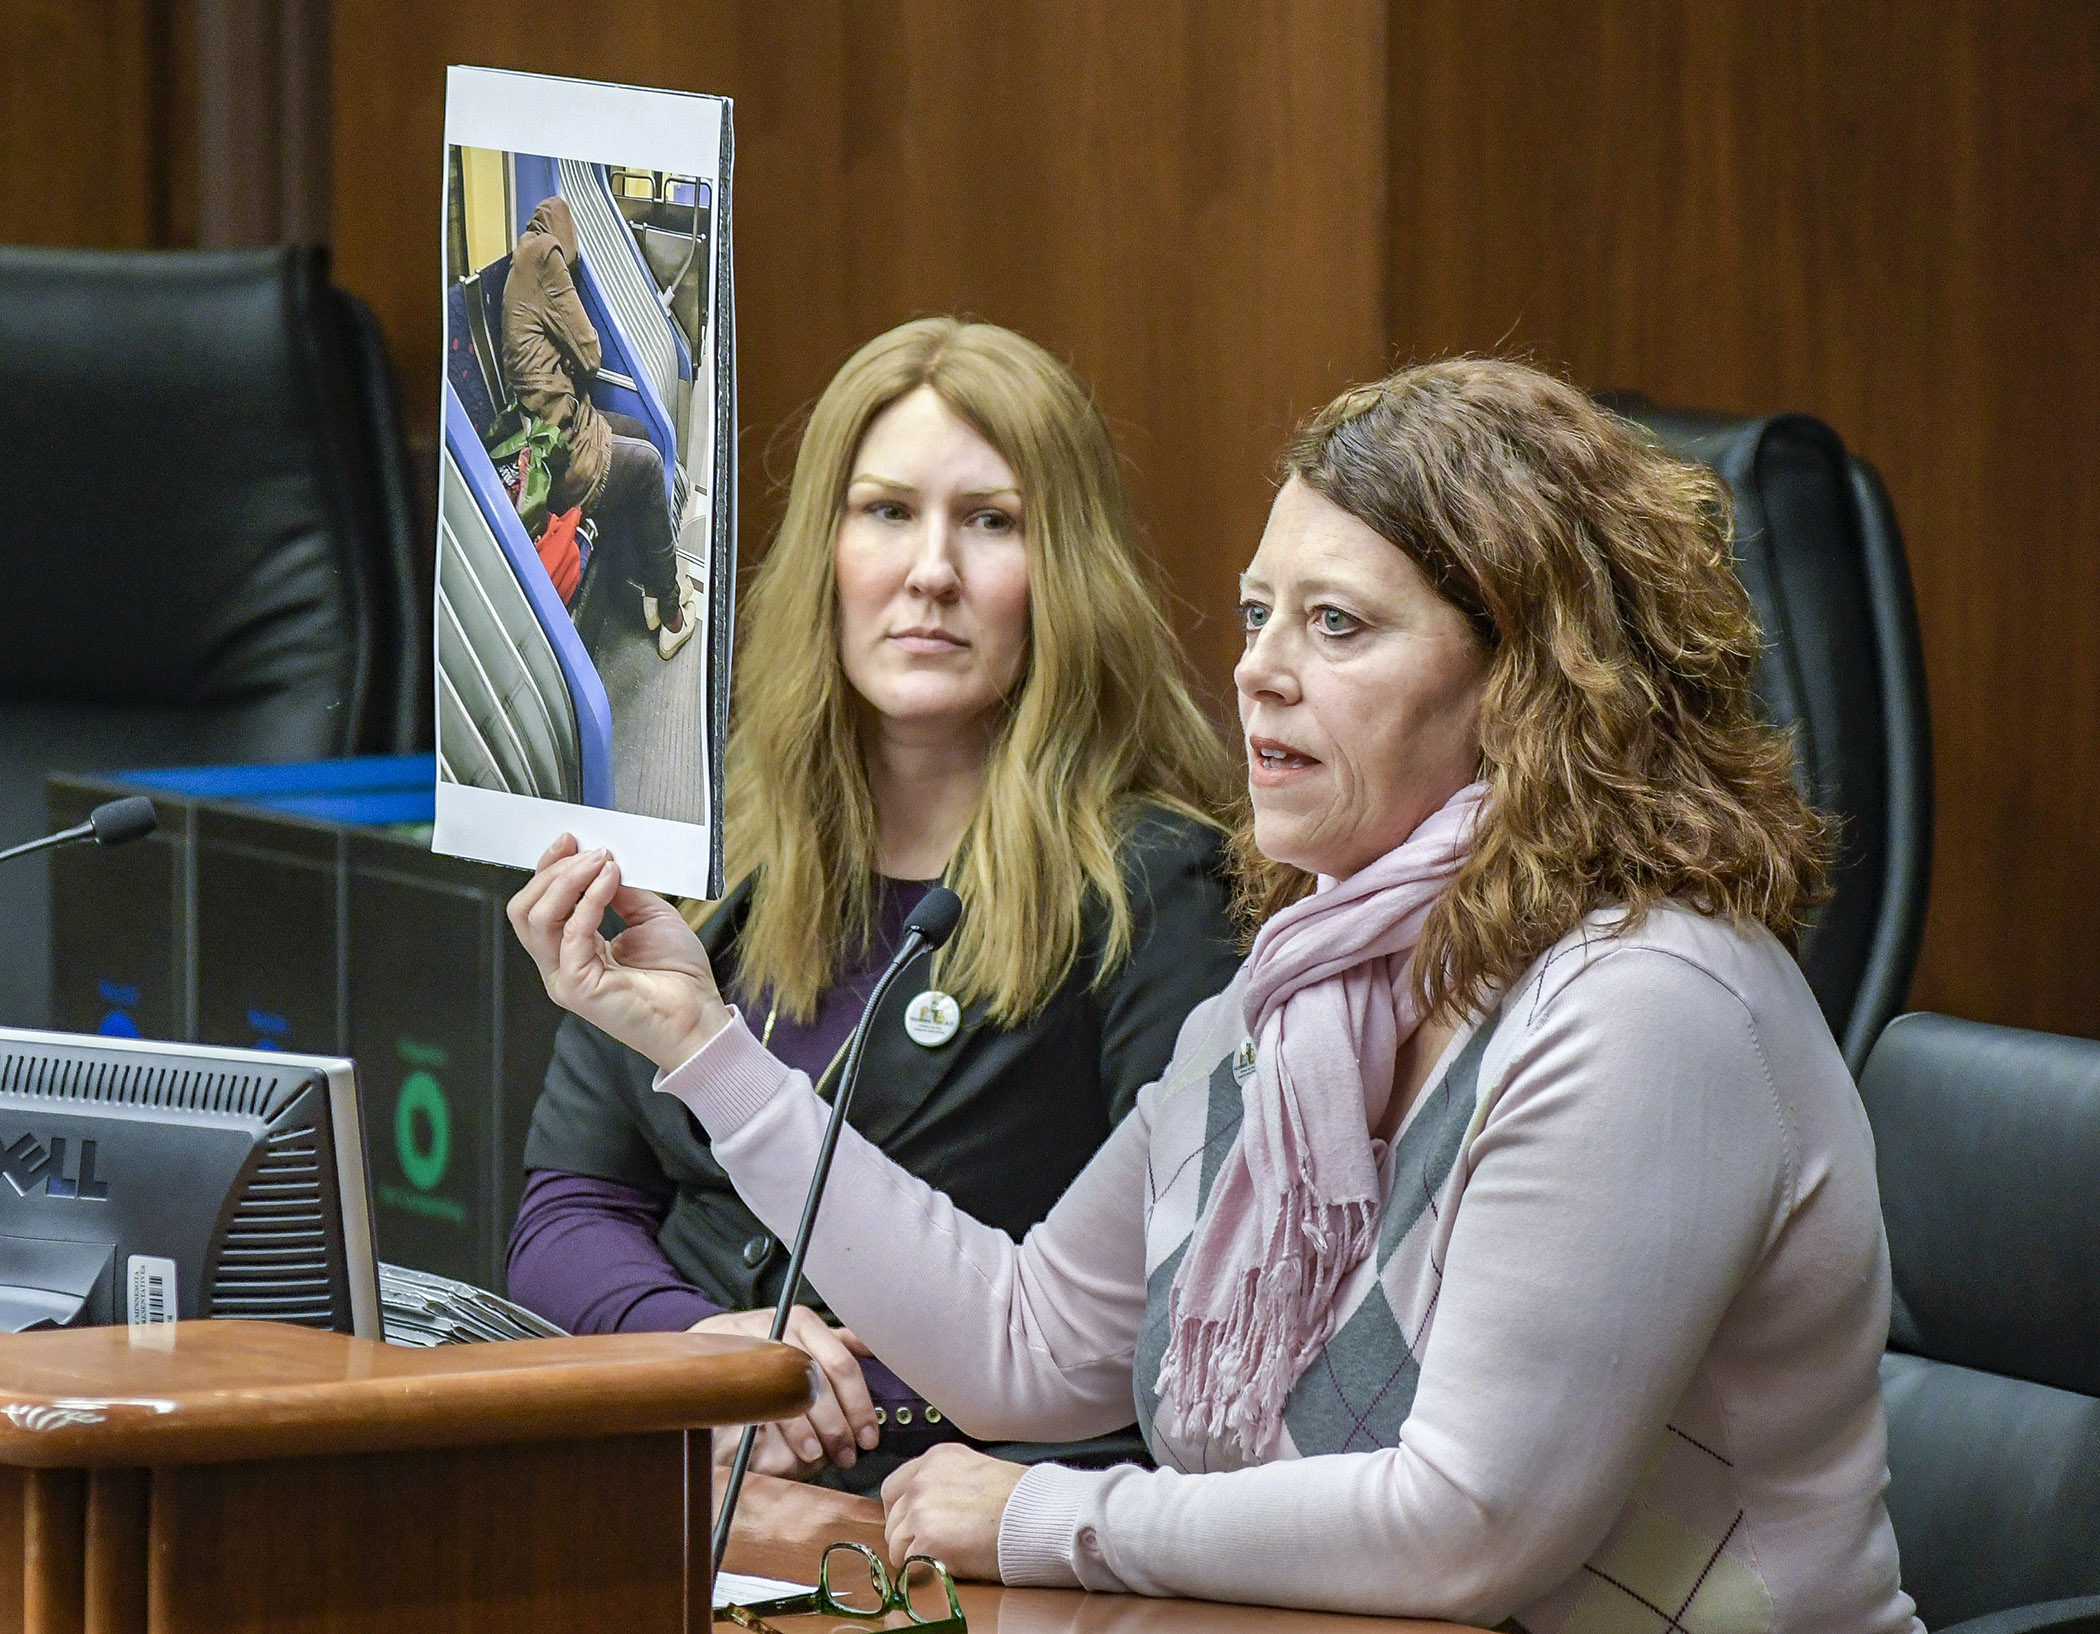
<point>559,555</point>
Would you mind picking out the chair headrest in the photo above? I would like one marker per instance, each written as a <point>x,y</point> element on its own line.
<point>185,492</point>
<point>1988,1144</point>
<point>1818,550</point>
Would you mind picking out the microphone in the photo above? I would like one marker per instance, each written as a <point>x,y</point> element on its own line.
<point>931,923</point>
<point>111,823</point>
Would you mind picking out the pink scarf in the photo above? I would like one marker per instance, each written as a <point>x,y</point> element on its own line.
<point>1296,1205</point>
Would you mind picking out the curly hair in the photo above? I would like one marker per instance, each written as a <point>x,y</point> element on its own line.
<point>1625,755</point>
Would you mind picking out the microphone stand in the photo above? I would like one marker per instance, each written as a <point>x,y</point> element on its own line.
<point>931,924</point>
<point>71,836</point>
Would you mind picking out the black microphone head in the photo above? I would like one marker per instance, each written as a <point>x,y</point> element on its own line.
<point>132,818</point>
<point>935,918</point>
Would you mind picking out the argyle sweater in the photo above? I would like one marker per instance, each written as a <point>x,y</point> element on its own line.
<point>1612,1367</point>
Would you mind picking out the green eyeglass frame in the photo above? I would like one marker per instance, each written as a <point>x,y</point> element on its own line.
<point>890,1590</point>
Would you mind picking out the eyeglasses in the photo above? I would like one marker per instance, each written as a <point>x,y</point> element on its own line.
<point>861,1586</point>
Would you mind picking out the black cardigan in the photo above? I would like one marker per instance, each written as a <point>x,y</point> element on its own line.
<point>1001,1120</point>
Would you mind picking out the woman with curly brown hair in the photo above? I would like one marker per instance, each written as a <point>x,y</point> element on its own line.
<point>1503,1244</point>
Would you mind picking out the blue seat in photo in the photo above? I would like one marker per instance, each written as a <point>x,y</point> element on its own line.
<point>469,373</point>
<point>521,707</point>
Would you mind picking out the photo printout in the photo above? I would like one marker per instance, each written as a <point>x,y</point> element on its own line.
<point>586,475</point>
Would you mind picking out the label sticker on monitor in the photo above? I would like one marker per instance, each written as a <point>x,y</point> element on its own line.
<point>152,1286</point>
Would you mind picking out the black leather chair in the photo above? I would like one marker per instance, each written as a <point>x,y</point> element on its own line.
<point>1988,1142</point>
<point>208,533</point>
<point>1819,552</point>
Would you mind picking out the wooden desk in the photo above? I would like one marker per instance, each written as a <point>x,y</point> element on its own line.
<point>782,1527</point>
<point>245,1476</point>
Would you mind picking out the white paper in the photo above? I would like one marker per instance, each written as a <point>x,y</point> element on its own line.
<point>735,1589</point>
<point>582,119</point>
<point>556,711</point>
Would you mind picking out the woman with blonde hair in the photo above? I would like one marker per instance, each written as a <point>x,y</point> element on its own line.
<point>951,667</point>
<point>1503,1244</point>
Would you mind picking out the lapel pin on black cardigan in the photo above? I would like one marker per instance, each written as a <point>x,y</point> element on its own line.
<point>931,923</point>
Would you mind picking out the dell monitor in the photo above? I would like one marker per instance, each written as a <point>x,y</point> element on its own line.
<point>149,1182</point>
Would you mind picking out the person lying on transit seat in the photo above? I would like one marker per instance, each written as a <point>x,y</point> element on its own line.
<point>605,462</point>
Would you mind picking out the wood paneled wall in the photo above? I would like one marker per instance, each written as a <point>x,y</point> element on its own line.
<point>1884,212</point>
<point>96,133</point>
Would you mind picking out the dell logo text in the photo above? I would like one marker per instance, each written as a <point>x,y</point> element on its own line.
<point>28,1162</point>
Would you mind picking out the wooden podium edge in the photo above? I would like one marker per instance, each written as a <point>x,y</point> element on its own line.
<point>218,1392</point>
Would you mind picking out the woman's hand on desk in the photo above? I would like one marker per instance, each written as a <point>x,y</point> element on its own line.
<point>840,1424</point>
<point>948,1504</point>
<point>770,1453</point>
<point>650,987</point>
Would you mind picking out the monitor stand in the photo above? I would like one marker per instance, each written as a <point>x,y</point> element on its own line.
<point>48,1283</point>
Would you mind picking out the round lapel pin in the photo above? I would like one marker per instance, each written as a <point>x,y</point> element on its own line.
<point>932,1018</point>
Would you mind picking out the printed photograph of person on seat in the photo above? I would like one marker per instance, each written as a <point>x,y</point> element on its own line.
<point>576,525</point>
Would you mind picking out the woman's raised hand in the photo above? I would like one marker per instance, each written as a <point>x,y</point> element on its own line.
<point>650,987</point>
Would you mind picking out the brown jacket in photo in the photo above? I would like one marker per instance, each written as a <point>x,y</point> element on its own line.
<point>550,351</point>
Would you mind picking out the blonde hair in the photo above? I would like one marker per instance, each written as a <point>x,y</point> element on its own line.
<point>1625,755</point>
<point>1100,724</point>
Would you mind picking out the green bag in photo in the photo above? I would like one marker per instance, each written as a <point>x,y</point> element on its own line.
<point>524,460</point>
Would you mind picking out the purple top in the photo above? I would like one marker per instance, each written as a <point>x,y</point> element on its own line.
<point>584,1252</point>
